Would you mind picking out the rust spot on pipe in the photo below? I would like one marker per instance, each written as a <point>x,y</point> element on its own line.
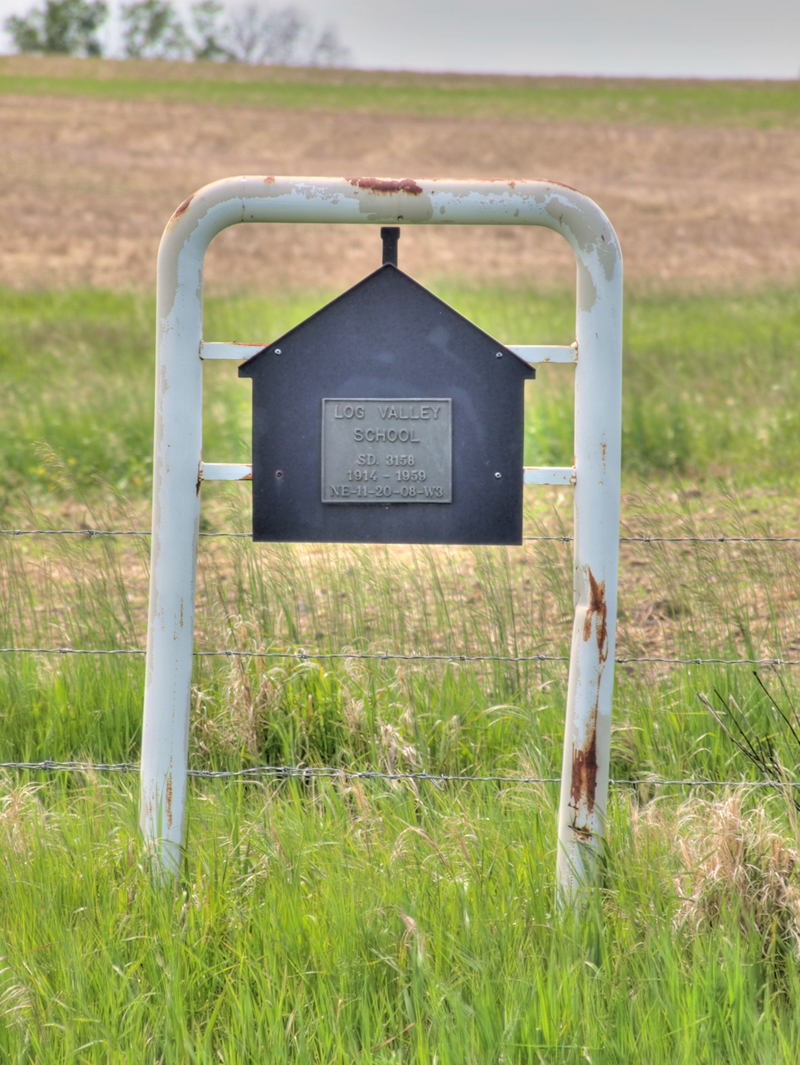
<point>583,781</point>
<point>386,186</point>
<point>247,477</point>
<point>508,182</point>
<point>183,207</point>
<point>269,180</point>
<point>169,801</point>
<point>583,787</point>
<point>597,608</point>
<point>583,834</point>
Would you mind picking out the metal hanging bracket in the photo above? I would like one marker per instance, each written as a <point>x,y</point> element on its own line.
<point>390,235</point>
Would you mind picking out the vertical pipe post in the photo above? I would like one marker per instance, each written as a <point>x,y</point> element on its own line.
<point>173,556</point>
<point>598,431</point>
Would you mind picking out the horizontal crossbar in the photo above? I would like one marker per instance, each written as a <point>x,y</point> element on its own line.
<point>226,471</point>
<point>240,471</point>
<point>531,353</point>
<point>229,351</point>
<point>535,353</point>
<point>548,475</point>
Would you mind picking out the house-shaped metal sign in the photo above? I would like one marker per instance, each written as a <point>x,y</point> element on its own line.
<point>387,417</point>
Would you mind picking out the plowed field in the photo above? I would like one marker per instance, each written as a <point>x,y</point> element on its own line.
<point>86,186</point>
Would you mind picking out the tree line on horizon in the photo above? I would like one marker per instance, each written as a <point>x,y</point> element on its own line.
<point>247,32</point>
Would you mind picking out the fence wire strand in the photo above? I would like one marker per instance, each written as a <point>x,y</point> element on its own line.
<point>93,533</point>
<point>329,772</point>
<point>300,772</point>
<point>380,656</point>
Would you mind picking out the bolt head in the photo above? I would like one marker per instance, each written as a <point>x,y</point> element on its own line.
<point>498,354</point>
<point>498,476</point>
<point>277,351</point>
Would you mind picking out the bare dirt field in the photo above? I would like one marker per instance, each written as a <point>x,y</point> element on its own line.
<point>86,187</point>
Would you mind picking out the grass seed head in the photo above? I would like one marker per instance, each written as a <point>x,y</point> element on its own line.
<point>736,861</point>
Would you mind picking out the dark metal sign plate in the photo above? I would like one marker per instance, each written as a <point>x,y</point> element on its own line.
<point>386,451</point>
<point>387,337</point>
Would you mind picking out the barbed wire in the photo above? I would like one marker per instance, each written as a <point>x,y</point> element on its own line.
<point>381,656</point>
<point>72,651</point>
<point>710,539</point>
<point>92,533</point>
<point>300,772</point>
<point>644,539</point>
<point>329,772</point>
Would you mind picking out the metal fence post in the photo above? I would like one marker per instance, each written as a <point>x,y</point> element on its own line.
<point>177,470</point>
<point>173,554</point>
<point>598,432</point>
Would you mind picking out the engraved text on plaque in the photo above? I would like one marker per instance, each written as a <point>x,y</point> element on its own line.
<point>386,451</point>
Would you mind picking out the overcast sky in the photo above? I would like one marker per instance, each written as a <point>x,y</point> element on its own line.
<point>670,38</point>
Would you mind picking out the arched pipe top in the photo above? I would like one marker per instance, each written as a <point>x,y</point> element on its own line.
<point>390,201</point>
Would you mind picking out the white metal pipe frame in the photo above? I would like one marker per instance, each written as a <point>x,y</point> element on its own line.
<point>178,468</point>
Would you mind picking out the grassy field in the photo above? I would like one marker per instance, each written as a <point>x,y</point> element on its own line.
<point>344,924</point>
<point>754,104</point>
<point>339,921</point>
<point>349,920</point>
<point>711,384</point>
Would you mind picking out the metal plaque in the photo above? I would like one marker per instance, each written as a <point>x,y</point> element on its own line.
<point>387,451</point>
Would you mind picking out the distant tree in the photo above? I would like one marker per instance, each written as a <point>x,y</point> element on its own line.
<point>152,29</point>
<point>210,32</point>
<point>264,36</point>
<point>61,27</point>
<point>24,32</point>
<point>328,51</point>
<point>282,36</point>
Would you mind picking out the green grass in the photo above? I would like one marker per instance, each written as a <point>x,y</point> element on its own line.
<point>82,432</point>
<point>346,924</point>
<point>759,104</point>
<point>343,921</point>
<point>711,384</point>
<point>707,601</point>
